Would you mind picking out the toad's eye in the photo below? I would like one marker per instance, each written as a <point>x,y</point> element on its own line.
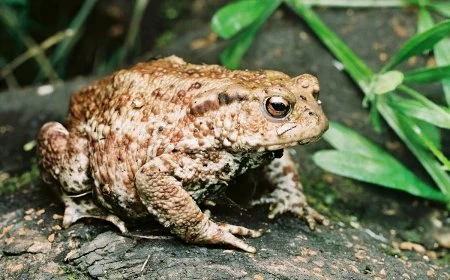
<point>277,107</point>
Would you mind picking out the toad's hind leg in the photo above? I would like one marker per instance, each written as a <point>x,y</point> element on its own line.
<point>174,208</point>
<point>64,160</point>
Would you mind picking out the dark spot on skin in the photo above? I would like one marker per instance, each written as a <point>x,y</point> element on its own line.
<point>302,97</point>
<point>278,153</point>
<point>224,98</point>
<point>311,113</point>
<point>117,108</point>
<point>157,92</point>
<point>240,97</point>
<point>195,85</point>
<point>204,107</point>
<point>160,129</point>
<point>227,168</point>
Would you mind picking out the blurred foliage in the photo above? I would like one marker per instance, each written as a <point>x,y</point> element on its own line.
<point>416,119</point>
<point>50,40</point>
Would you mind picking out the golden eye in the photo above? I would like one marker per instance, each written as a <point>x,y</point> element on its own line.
<point>277,107</point>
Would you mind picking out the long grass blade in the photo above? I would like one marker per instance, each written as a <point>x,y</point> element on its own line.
<point>130,40</point>
<point>442,8</point>
<point>233,18</point>
<point>59,57</point>
<point>357,69</point>
<point>419,43</point>
<point>441,49</point>
<point>232,55</point>
<point>376,170</point>
<point>417,109</point>
<point>428,75</point>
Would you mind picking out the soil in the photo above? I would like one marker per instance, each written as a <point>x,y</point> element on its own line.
<point>369,224</point>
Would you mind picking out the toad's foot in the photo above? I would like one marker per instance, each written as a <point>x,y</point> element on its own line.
<point>83,207</point>
<point>287,195</point>
<point>222,233</point>
<point>295,203</point>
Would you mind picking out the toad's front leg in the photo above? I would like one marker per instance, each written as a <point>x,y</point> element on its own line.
<point>174,208</point>
<point>288,193</point>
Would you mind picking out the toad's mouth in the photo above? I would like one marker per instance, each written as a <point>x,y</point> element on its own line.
<point>280,146</point>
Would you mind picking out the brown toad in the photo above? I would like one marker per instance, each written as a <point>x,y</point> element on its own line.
<point>159,137</point>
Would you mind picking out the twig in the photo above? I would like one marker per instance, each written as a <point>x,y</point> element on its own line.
<point>145,263</point>
<point>9,17</point>
<point>35,51</point>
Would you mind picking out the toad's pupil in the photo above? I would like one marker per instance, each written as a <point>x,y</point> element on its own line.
<point>279,106</point>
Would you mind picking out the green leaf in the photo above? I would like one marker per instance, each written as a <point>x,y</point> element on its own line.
<point>234,17</point>
<point>425,20</point>
<point>433,133</point>
<point>420,43</point>
<point>433,148</point>
<point>428,75</point>
<point>379,170</point>
<point>386,82</point>
<point>442,8</point>
<point>232,55</point>
<point>404,127</point>
<point>442,55</point>
<point>422,111</point>
<point>345,139</point>
<point>440,115</point>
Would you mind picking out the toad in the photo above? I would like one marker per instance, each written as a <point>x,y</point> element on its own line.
<point>161,137</point>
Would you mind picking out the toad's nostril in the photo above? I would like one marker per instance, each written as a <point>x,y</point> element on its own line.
<point>316,92</point>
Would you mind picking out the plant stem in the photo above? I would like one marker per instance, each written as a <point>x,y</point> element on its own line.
<point>7,70</point>
<point>130,41</point>
<point>63,49</point>
<point>357,69</point>
<point>9,18</point>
